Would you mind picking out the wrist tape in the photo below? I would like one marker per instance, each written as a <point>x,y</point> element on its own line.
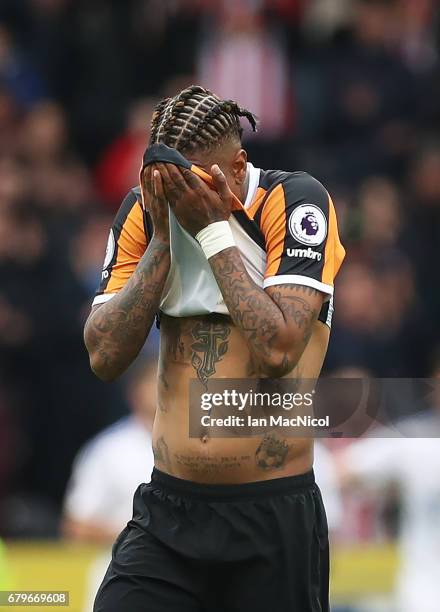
<point>215,237</point>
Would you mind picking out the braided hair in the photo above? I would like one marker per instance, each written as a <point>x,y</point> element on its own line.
<point>196,119</point>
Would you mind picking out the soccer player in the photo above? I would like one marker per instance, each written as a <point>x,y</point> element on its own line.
<point>239,263</point>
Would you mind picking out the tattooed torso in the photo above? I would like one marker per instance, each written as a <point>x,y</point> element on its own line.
<point>201,349</point>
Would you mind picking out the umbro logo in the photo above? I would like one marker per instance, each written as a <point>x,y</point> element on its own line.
<point>305,253</point>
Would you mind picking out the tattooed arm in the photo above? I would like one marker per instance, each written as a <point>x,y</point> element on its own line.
<point>276,322</point>
<point>116,330</point>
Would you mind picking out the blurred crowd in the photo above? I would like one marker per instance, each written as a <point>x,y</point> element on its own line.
<point>348,90</point>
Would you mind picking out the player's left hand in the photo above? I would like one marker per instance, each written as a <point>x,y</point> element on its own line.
<point>194,203</point>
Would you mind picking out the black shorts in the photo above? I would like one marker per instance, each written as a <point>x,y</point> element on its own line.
<point>257,547</point>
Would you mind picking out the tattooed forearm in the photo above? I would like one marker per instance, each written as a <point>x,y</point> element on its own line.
<point>116,331</point>
<point>277,324</point>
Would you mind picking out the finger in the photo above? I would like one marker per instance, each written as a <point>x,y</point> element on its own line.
<point>172,191</point>
<point>176,176</point>
<point>221,184</point>
<point>143,176</point>
<point>149,179</point>
<point>146,188</point>
<point>158,186</point>
<point>146,180</point>
<point>192,180</point>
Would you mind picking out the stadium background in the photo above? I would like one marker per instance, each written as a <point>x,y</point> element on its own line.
<point>348,90</point>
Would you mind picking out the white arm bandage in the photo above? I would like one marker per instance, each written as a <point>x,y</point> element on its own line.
<point>215,237</point>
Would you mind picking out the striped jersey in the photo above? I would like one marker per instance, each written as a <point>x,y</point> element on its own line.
<point>286,232</point>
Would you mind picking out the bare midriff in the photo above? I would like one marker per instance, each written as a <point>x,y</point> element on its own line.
<point>201,349</point>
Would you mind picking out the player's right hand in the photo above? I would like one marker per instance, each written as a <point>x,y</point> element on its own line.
<point>155,201</point>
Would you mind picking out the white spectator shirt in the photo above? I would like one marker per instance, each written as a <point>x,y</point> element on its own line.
<point>414,465</point>
<point>326,479</point>
<point>107,472</point>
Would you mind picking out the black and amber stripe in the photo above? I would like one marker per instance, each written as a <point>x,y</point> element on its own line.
<point>131,234</point>
<point>288,192</point>
<point>266,222</point>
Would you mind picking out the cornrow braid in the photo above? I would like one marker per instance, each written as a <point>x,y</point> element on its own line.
<point>160,116</point>
<point>197,119</point>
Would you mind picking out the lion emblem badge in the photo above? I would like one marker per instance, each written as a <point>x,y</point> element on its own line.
<point>308,225</point>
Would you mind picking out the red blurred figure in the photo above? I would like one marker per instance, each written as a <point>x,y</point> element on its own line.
<point>118,168</point>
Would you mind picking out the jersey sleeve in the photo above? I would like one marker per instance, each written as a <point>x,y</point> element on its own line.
<point>298,221</point>
<point>127,242</point>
